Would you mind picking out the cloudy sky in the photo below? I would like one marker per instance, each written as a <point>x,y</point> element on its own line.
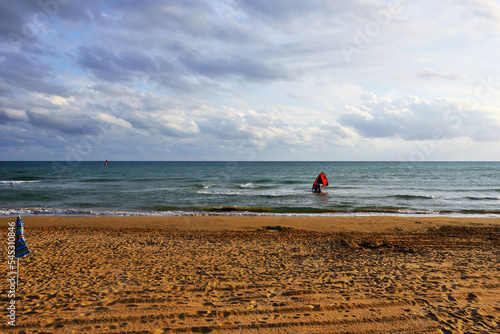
<point>250,80</point>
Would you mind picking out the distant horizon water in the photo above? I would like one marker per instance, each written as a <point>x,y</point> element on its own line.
<point>168,188</point>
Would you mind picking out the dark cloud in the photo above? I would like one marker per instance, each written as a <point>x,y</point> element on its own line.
<point>186,15</point>
<point>19,71</point>
<point>237,66</point>
<point>180,20</point>
<point>4,117</point>
<point>16,21</point>
<point>5,89</point>
<point>287,13</point>
<point>112,66</point>
<point>189,42</point>
<point>282,9</point>
<point>23,22</point>
<point>16,139</point>
<point>128,68</point>
<point>75,13</point>
<point>67,125</point>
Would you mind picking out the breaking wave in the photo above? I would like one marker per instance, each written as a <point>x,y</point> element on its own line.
<point>167,211</point>
<point>249,185</point>
<point>18,182</point>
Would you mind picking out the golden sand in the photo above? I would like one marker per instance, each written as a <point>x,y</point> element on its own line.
<point>258,275</point>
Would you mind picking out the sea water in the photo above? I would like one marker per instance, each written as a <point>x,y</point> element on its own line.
<point>249,188</point>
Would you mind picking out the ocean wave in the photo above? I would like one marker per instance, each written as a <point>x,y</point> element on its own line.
<point>258,193</point>
<point>205,185</point>
<point>249,185</point>
<point>98,180</point>
<point>219,193</point>
<point>235,209</point>
<point>240,211</point>
<point>396,211</point>
<point>484,198</point>
<point>77,212</point>
<point>19,182</point>
<point>280,194</point>
<point>410,197</point>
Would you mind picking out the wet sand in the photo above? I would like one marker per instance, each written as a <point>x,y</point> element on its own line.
<point>258,275</point>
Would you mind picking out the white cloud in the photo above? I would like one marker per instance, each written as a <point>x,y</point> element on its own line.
<point>113,120</point>
<point>430,74</point>
<point>413,118</point>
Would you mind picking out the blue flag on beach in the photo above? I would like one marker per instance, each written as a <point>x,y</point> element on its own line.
<point>21,247</point>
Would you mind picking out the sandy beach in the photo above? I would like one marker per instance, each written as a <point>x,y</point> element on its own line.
<point>223,274</point>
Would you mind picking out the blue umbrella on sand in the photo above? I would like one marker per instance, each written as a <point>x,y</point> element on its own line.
<point>21,247</point>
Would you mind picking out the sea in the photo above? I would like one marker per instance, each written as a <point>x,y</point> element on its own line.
<point>133,188</point>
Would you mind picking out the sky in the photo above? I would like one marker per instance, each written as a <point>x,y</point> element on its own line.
<point>249,80</point>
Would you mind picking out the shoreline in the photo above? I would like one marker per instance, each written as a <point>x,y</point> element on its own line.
<point>360,224</point>
<point>247,212</point>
